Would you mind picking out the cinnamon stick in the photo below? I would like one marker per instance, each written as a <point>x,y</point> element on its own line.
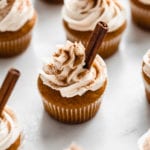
<point>7,87</point>
<point>94,43</point>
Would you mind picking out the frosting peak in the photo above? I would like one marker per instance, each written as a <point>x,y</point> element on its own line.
<point>66,72</point>
<point>14,14</point>
<point>84,15</point>
<point>9,129</point>
<point>74,147</point>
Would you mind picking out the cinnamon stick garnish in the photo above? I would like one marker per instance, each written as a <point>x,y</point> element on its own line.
<point>94,43</point>
<point>7,87</point>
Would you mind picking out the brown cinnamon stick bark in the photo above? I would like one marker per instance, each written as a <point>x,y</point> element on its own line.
<point>7,87</point>
<point>94,43</point>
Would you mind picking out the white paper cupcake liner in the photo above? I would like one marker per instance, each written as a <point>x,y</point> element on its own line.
<point>72,115</point>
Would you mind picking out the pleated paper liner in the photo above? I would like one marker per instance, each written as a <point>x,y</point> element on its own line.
<point>74,115</point>
<point>140,15</point>
<point>110,43</point>
<point>14,47</point>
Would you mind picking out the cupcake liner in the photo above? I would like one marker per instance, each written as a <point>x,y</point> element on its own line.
<point>140,16</point>
<point>15,46</point>
<point>72,115</point>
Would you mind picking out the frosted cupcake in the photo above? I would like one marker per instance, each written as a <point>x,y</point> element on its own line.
<point>146,74</point>
<point>144,141</point>
<point>10,131</point>
<point>17,19</point>
<point>141,13</point>
<point>55,1</point>
<point>71,93</point>
<point>81,17</point>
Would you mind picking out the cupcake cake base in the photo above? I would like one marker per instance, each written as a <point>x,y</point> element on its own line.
<point>73,110</point>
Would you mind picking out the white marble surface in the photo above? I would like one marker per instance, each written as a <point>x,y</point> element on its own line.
<point>124,115</point>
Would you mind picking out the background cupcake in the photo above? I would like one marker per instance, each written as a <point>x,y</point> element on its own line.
<point>71,93</point>
<point>10,131</point>
<point>146,74</point>
<point>81,17</point>
<point>141,13</point>
<point>17,19</point>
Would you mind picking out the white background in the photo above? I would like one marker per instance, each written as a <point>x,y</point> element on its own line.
<point>124,115</point>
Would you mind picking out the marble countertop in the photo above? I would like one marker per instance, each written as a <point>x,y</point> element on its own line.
<point>124,115</point>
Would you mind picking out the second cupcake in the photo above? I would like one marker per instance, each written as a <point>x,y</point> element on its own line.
<point>17,19</point>
<point>81,17</point>
<point>71,93</point>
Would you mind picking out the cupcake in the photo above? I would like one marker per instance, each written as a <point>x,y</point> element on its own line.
<point>146,74</point>
<point>81,17</point>
<point>17,19</point>
<point>70,92</point>
<point>141,13</point>
<point>10,131</point>
<point>144,141</point>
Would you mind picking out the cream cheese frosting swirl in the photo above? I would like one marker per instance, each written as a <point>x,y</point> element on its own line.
<point>66,73</point>
<point>9,129</point>
<point>146,63</point>
<point>21,11</point>
<point>83,15</point>
<point>147,2</point>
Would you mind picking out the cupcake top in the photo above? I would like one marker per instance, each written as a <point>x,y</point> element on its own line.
<point>65,72</point>
<point>74,147</point>
<point>84,15</point>
<point>14,14</point>
<point>147,2</point>
<point>9,129</point>
<point>146,63</point>
<point>144,142</point>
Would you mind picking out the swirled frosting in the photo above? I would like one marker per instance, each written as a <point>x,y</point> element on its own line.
<point>14,14</point>
<point>147,2</point>
<point>74,147</point>
<point>66,73</point>
<point>83,15</point>
<point>9,129</point>
<point>146,62</point>
<point>144,141</point>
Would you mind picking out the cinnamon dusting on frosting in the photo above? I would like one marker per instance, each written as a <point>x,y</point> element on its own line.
<point>66,72</point>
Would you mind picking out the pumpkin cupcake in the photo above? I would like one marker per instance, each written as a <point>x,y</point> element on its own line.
<point>17,19</point>
<point>81,17</point>
<point>141,13</point>
<point>70,92</point>
<point>146,74</point>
